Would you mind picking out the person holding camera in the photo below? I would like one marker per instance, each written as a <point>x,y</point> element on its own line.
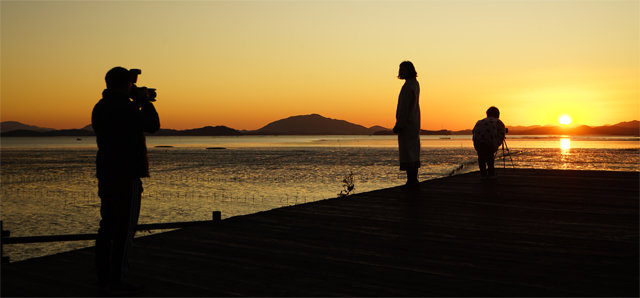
<point>408,123</point>
<point>488,135</point>
<point>119,121</point>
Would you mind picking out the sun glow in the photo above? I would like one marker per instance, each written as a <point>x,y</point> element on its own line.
<point>344,51</point>
<point>565,119</point>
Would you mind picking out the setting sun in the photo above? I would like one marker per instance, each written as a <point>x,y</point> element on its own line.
<point>564,119</point>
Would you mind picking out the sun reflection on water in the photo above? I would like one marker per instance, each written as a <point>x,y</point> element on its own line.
<point>565,145</point>
<point>565,148</point>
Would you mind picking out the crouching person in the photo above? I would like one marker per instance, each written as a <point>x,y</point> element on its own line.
<point>488,135</point>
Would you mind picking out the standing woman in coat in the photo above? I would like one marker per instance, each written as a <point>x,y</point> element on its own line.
<point>408,123</point>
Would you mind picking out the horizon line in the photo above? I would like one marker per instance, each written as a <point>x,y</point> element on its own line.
<point>573,125</point>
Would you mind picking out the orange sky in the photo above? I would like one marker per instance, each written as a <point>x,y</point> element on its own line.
<point>246,63</point>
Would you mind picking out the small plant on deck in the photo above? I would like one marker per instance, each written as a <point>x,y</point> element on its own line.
<point>347,186</point>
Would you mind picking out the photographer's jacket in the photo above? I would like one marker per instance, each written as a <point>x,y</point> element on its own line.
<point>488,134</point>
<point>119,125</point>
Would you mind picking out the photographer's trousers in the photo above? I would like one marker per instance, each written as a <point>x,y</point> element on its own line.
<point>486,157</point>
<point>120,209</point>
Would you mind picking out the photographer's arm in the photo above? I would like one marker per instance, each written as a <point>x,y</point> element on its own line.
<point>150,119</point>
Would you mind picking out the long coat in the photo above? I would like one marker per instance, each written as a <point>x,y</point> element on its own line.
<point>408,123</point>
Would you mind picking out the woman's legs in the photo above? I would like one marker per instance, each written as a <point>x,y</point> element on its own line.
<point>412,174</point>
<point>412,177</point>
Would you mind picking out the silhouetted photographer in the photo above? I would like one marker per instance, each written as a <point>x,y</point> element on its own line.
<point>119,121</point>
<point>488,135</point>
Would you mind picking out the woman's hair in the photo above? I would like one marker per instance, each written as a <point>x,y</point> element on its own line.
<point>493,112</point>
<point>407,71</point>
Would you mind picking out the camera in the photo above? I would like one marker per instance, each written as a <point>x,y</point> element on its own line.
<point>140,93</point>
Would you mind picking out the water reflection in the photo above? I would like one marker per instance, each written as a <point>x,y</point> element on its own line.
<point>565,145</point>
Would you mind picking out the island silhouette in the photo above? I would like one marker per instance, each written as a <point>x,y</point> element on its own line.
<point>315,124</point>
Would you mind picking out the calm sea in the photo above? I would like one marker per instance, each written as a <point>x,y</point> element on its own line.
<point>48,185</point>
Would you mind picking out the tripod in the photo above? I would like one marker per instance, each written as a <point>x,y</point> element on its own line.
<point>504,158</point>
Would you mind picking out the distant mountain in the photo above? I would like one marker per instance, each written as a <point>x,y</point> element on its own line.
<point>50,133</point>
<point>88,131</point>
<point>462,132</point>
<point>629,124</point>
<point>204,131</point>
<point>630,128</point>
<point>377,128</point>
<point>426,132</point>
<point>623,129</point>
<point>314,124</point>
<point>15,125</point>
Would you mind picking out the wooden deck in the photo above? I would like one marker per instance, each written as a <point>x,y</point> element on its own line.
<point>528,233</point>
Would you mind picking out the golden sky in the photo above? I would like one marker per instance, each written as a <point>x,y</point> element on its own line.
<point>244,64</point>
